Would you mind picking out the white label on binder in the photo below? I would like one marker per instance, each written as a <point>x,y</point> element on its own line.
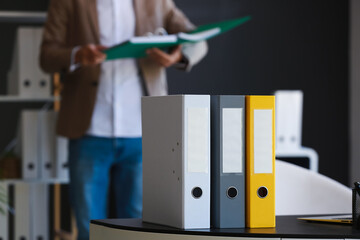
<point>232,142</point>
<point>263,137</point>
<point>197,139</point>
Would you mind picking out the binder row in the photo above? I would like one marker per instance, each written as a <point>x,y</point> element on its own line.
<point>209,161</point>
<point>43,153</point>
<point>26,213</point>
<point>30,212</point>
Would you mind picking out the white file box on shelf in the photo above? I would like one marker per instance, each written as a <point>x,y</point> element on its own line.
<point>39,218</point>
<point>289,108</point>
<point>22,210</point>
<point>25,78</point>
<point>62,166</point>
<point>44,154</point>
<point>29,145</point>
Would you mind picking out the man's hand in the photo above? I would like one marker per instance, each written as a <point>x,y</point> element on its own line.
<point>90,55</point>
<point>163,58</point>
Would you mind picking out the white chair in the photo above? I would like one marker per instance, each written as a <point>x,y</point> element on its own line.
<point>299,191</point>
<point>288,111</point>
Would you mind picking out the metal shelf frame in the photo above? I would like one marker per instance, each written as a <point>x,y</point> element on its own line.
<point>22,17</point>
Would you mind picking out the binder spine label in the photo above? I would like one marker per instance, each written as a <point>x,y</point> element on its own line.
<point>263,141</point>
<point>197,139</point>
<point>231,140</point>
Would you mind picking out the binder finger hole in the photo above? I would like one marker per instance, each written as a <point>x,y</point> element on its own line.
<point>31,166</point>
<point>197,192</point>
<point>42,83</point>
<point>232,192</point>
<point>262,192</point>
<point>27,83</point>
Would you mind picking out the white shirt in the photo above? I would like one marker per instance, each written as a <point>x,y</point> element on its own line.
<point>117,111</point>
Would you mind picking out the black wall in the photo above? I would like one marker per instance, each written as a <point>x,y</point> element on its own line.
<point>287,45</point>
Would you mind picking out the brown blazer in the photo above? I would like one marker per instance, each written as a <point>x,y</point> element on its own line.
<point>73,23</point>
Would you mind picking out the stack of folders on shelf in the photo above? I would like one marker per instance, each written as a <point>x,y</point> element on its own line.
<point>25,212</point>
<point>181,133</point>
<point>43,153</point>
<point>25,78</point>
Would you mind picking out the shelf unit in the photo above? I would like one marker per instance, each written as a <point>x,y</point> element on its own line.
<point>35,18</point>
<point>9,98</point>
<point>22,17</point>
<point>47,181</point>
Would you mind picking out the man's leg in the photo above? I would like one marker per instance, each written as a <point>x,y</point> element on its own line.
<point>127,178</point>
<point>90,159</point>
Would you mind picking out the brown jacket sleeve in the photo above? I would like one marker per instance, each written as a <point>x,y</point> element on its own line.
<point>176,21</point>
<point>55,54</point>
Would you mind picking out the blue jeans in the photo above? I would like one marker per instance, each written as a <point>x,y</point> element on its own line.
<point>91,159</point>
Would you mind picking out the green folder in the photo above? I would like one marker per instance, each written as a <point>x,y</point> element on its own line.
<point>136,47</point>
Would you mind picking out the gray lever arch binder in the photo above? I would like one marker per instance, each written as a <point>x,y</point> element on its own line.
<point>228,161</point>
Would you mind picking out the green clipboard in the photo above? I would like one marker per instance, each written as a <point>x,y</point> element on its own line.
<point>136,47</point>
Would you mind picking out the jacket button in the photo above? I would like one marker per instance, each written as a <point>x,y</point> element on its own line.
<point>94,83</point>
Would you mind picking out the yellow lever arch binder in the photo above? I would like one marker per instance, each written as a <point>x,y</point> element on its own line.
<point>260,161</point>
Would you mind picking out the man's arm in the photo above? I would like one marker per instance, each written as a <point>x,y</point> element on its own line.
<point>194,53</point>
<point>90,55</point>
<point>176,21</point>
<point>166,59</point>
<point>182,57</point>
<point>55,55</point>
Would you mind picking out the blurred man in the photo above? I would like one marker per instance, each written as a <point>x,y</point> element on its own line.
<point>101,101</point>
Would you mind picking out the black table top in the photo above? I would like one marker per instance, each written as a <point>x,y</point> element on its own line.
<point>286,227</point>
